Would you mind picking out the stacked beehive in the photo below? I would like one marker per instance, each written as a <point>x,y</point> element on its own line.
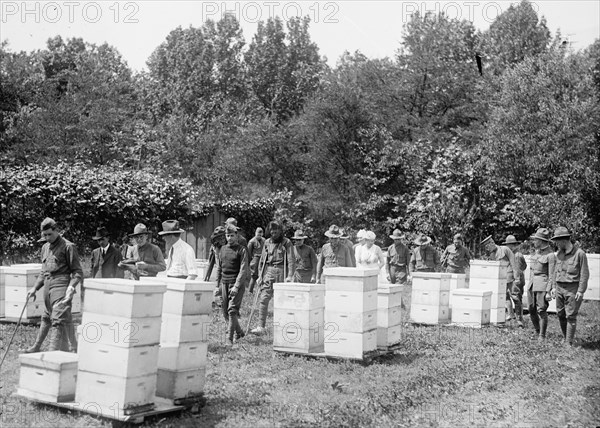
<point>350,312</point>
<point>491,276</point>
<point>593,291</point>
<point>430,300</point>
<point>298,317</point>
<point>118,351</point>
<point>18,281</point>
<point>389,316</point>
<point>470,308</point>
<point>183,352</point>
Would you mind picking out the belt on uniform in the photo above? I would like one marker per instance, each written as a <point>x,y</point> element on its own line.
<point>397,265</point>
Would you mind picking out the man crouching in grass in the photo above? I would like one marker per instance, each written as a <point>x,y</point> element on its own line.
<point>232,270</point>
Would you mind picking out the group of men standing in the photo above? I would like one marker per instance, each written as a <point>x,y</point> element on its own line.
<point>260,263</point>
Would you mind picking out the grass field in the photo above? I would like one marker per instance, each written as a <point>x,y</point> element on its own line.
<point>441,376</point>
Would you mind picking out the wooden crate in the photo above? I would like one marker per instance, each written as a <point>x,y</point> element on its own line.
<point>124,298</point>
<point>50,375</point>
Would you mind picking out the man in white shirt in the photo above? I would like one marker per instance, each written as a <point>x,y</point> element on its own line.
<point>181,259</point>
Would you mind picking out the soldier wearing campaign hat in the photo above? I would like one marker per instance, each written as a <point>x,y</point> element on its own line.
<point>306,259</point>
<point>334,253</point>
<point>540,284</point>
<point>516,291</point>
<point>425,257</point>
<point>571,277</point>
<point>398,259</point>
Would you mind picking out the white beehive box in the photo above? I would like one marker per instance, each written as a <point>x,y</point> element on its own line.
<point>124,298</point>
<point>389,317</point>
<point>185,328</point>
<point>488,269</point>
<point>48,376</point>
<point>115,392</point>
<point>183,356</point>
<point>431,281</point>
<point>202,268</point>
<point>389,336</point>
<point>389,296</point>
<point>458,280</point>
<point>428,314</point>
<point>351,301</point>
<point>294,339</point>
<point>471,317</point>
<point>488,284</point>
<point>185,297</point>
<point>303,319</point>
<point>180,384</point>
<point>290,295</point>
<point>430,297</point>
<point>497,315</point>
<point>21,275</point>
<point>120,331</point>
<point>593,290</point>
<point>350,279</point>
<point>33,309</point>
<point>356,322</point>
<point>471,299</point>
<point>351,345</point>
<point>117,361</point>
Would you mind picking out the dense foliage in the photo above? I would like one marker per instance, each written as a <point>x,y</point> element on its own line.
<point>422,141</point>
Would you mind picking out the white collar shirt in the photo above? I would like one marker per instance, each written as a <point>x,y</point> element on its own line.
<point>181,260</point>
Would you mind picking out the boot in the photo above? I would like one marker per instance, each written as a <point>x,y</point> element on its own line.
<point>251,285</point>
<point>230,329</point>
<point>570,333</point>
<point>563,326</point>
<point>535,320</point>
<point>57,338</point>
<point>69,342</point>
<point>42,333</point>
<point>543,328</point>
<point>511,311</point>
<point>519,313</point>
<point>239,333</point>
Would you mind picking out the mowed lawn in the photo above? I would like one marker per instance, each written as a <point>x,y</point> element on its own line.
<point>440,376</point>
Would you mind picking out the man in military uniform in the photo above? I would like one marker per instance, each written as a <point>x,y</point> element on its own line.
<point>255,247</point>
<point>398,259</point>
<point>456,257</point>
<point>516,291</point>
<point>425,257</point>
<point>61,272</point>
<point>571,278</point>
<point>334,253</point>
<point>503,253</point>
<point>540,281</point>
<point>306,259</point>
<point>276,264</point>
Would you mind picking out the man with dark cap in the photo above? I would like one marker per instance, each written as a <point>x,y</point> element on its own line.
<point>277,264</point>
<point>105,258</point>
<point>306,259</point>
<point>240,237</point>
<point>571,278</point>
<point>456,257</point>
<point>516,291</point>
<point>232,269</point>
<point>217,239</point>
<point>334,253</point>
<point>503,253</point>
<point>61,272</point>
<point>255,247</point>
<point>150,259</point>
<point>425,257</point>
<point>398,259</point>
<point>540,279</point>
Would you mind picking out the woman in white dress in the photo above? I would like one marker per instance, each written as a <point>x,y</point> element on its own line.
<point>369,255</point>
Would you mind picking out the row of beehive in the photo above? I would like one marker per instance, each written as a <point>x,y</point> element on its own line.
<point>138,339</point>
<point>346,317</point>
<point>15,282</point>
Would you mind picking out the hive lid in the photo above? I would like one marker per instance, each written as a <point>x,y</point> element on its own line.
<point>127,286</point>
<point>432,275</point>
<point>350,271</point>
<point>298,286</point>
<point>24,269</point>
<point>470,292</point>
<point>177,284</point>
<point>52,360</point>
<point>491,263</point>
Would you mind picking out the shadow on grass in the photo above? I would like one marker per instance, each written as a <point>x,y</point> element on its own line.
<point>398,359</point>
<point>590,344</point>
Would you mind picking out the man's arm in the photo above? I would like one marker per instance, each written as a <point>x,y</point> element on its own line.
<point>244,266</point>
<point>291,260</point>
<point>313,263</point>
<point>76,271</point>
<point>190,263</point>
<point>159,264</point>
<point>551,285</point>
<point>584,273</point>
<point>320,263</point>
